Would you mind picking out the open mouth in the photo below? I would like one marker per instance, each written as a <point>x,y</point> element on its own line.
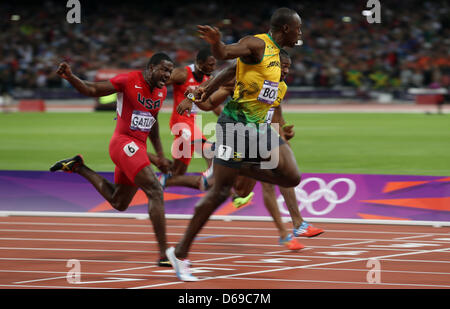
<point>162,82</point>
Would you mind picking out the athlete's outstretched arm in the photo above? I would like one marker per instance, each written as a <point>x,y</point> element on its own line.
<point>249,48</point>
<point>178,76</point>
<point>91,89</point>
<point>205,90</point>
<point>217,98</point>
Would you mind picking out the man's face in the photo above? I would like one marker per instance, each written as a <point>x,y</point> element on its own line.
<point>208,66</point>
<point>293,32</point>
<point>285,66</point>
<point>160,73</point>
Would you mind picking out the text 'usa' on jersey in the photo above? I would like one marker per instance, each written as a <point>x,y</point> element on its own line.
<point>137,104</point>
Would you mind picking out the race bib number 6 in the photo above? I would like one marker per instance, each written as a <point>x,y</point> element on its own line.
<point>269,92</point>
<point>130,149</point>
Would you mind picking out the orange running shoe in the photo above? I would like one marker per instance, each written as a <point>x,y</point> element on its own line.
<point>307,230</point>
<point>291,243</point>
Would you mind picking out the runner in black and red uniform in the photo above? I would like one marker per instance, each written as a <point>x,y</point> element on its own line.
<point>140,95</point>
<point>183,127</point>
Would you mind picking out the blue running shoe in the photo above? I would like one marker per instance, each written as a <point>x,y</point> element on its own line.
<point>163,179</point>
<point>307,230</point>
<point>291,243</point>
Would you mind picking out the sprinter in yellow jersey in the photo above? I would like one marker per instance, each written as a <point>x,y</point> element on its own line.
<point>257,74</point>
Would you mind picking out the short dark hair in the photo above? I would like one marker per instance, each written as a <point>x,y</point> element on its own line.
<point>281,17</point>
<point>157,58</point>
<point>203,54</point>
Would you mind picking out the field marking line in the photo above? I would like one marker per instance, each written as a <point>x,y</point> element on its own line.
<point>375,285</point>
<point>409,237</point>
<point>312,265</point>
<point>37,280</point>
<point>216,227</point>
<point>52,287</point>
<point>81,260</point>
<point>201,236</point>
<point>153,266</point>
<point>354,243</point>
<point>66,271</point>
<point>372,247</point>
<point>384,270</point>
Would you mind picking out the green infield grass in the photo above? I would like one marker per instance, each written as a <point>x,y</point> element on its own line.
<point>354,143</point>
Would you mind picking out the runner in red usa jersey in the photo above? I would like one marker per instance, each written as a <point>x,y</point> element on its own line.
<point>137,109</point>
<point>140,95</point>
<point>187,135</point>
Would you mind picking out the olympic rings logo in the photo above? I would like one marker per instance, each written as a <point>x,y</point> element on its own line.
<point>324,191</point>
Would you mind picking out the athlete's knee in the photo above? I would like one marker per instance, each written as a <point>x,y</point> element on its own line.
<point>291,179</point>
<point>294,179</point>
<point>119,205</point>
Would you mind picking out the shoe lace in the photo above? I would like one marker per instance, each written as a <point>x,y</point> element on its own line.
<point>186,267</point>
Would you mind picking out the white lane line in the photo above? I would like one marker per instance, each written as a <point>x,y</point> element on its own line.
<point>37,280</point>
<point>198,261</point>
<point>205,236</point>
<point>269,228</point>
<point>374,285</point>
<point>66,240</point>
<point>354,243</point>
<point>309,266</point>
<point>52,287</point>
<point>409,237</point>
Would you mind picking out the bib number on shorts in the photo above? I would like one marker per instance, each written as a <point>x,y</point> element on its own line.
<point>269,92</point>
<point>270,115</point>
<point>142,121</point>
<point>130,149</point>
<point>224,152</point>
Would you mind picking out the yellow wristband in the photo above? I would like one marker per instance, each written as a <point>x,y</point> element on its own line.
<point>191,96</point>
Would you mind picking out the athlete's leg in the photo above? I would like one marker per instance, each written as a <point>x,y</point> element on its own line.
<point>243,191</point>
<point>190,181</point>
<point>271,204</point>
<point>181,146</point>
<point>292,205</point>
<point>118,195</point>
<point>224,178</point>
<point>243,186</point>
<point>148,182</point>
<point>285,174</point>
<point>301,227</point>
<point>179,167</point>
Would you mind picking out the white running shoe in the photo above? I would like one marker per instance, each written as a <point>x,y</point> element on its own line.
<point>181,267</point>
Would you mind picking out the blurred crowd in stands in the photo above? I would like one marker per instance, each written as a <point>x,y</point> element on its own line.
<point>409,48</point>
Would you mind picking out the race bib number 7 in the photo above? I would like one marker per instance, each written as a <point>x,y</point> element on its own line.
<point>142,121</point>
<point>269,92</point>
<point>270,115</point>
